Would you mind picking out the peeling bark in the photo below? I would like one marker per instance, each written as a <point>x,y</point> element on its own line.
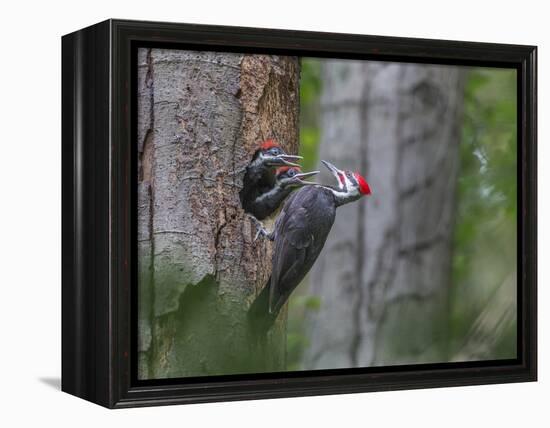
<point>383,277</point>
<point>201,116</point>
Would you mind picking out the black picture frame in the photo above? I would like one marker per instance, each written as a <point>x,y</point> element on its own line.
<point>98,227</point>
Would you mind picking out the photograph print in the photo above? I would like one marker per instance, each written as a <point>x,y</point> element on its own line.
<point>301,214</point>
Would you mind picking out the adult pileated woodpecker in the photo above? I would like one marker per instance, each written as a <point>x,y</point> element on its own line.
<point>259,178</point>
<point>301,230</point>
<point>287,179</point>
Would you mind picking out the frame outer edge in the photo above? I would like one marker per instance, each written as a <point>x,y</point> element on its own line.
<point>532,143</point>
<point>85,215</point>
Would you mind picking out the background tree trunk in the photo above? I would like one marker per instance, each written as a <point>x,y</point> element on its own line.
<point>383,277</point>
<point>201,116</point>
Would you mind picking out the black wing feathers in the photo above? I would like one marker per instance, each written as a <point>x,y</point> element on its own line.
<point>300,234</point>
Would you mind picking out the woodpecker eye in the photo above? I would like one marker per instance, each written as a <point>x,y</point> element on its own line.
<point>275,151</point>
<point>353,179</point>
<point>291,173</point>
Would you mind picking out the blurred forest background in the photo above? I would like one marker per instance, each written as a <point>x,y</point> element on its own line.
<point>444,288</point>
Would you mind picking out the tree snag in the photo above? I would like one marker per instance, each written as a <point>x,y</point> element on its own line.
<point>201,116</point>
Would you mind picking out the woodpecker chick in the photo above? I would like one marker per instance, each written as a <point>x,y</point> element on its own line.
<point>287,179</point>
<point>259,177</point>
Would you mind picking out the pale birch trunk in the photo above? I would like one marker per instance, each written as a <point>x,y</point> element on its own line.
<point>201,116</point>
<point>383,277</point>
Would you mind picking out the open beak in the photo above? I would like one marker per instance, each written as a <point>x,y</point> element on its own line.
<point>287,159</point>
<point>291,157</point>
<point>335,171</point>
<point>304,175</point>
<point>283,160</point>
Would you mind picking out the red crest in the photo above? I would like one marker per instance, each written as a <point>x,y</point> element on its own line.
<point>364,187</point>
<point>283,169</point>
<point>268,144</point>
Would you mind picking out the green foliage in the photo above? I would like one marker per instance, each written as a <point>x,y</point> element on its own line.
<point>297,341</point>
<point>309,144</point>
<point>307,302</point>
<point>300,302</point>
<point>484,241</point>
<point>310,91</point>
<point>310,81</point>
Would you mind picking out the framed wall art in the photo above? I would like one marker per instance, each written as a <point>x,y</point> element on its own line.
<point>252,213</point>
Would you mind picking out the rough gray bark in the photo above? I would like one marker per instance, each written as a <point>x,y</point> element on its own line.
<point>201,116</point>
<point>383,277</point>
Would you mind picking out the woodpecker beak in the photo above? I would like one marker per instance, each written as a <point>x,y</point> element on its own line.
<point>291,156</point>
<point>335,171</point>
<point>301,176</point>
<point>282,160</point>
<point>288,158</point>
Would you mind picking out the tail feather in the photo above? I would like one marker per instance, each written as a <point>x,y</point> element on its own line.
<point>259,317</point>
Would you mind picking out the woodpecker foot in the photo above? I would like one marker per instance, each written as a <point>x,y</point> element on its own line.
<point>260,229</point>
